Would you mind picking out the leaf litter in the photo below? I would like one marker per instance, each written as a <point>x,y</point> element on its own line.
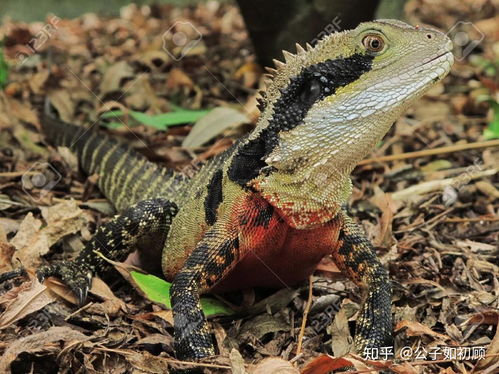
<point>432,216</point>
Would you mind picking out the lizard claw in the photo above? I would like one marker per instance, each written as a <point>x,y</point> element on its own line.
<point>76,276</point>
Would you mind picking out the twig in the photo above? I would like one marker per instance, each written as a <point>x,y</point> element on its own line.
<point>431,152</point>
<point>305,315</point>
<point>12,174</point>
<point>474,219</point>
<point>170,360</point>
<point>440,184</point>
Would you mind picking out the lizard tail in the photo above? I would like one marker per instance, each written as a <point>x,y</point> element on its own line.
<point>125,176</point>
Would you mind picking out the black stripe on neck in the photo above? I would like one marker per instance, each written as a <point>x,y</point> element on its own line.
<point>313,84</point>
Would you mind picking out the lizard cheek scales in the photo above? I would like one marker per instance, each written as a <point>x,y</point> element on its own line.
<point>266,211</point>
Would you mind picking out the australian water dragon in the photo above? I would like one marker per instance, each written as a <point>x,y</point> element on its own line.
<point>267,210</point>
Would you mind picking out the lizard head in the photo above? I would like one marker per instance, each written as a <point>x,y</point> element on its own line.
<point>327,107</point>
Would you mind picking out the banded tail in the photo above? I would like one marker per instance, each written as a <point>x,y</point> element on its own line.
<point>125,176</point>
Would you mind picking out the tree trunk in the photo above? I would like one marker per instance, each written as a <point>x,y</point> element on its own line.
<point>275,25</point>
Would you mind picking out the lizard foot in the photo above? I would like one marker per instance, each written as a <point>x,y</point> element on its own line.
<point>76,276</point>
<point>192,338</point>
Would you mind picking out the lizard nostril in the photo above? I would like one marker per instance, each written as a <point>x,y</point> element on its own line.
<point>429,36</point>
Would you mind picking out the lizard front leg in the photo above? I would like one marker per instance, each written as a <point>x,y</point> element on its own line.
<point>356,257</point>
<point>115,240</point>
<point>214,256</point>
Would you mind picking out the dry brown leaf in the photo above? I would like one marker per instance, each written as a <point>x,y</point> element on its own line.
<point>489,27</point>
<point>146,362</point>
<point>250,73</point>
<point>404,368</point>
<point>492,355</point>
<point>154,59</point>
<point>22,111</point>
<point>165,315</point>
<point>487,189</point>
<point>177,78</point>
<point>32,240</point>
<point>38,80</point>
<point>414,328</point>
<point>114,75</point>
<point>62,102</point>
<point>388,208</point>
<point>59,289</point>
<point>341,341</point>
<point>6,252</point>
<point>325,364</point>
<point>274,365</point>
<point>42,342</point>
<point>111,305</point>
<point>22,301</point>
<point>236,362</point>
<point>213,124</point>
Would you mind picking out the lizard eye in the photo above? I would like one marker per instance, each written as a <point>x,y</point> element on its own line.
<point>373,43</point>
<point>311,92</point>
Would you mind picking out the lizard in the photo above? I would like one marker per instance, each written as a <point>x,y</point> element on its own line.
<point>269,208</point>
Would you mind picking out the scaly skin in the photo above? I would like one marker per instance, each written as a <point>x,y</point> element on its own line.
<point>266,211</point>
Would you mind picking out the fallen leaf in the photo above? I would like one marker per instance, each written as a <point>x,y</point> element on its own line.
<point>388,208</point>
<point>341,341</point>
<point>417,329</point>
<point>213,124</point>
<point>6,252</point>
<point>274,365</point>
<point>177,78</point>
<point>42,342</point>
<point>22,111</point>
<point>22,301</point>
<point>158,290</point>
<point>61,100</point>
<point>113,76</point>
<point>32,240</point>
<point>487,189</point>
<point>236,362</point>
<point>491,355</point>
<point>325,364</point>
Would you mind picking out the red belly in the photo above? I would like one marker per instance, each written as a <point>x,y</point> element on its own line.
<point>277,255</point>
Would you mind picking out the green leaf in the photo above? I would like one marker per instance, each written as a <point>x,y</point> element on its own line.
<point>158,290</point>
<point>160,121</point>
<point>4,71</point>
<point>492,130</point>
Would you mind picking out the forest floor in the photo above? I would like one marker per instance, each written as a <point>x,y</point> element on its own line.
<point>432,215</point>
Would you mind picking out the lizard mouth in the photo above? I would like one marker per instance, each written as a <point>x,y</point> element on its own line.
<point>445,54</point>
<point>437,61</point>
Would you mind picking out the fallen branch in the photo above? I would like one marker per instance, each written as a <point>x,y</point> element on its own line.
<point>305,315</point>
<point>439,184</point>
<point>431,152</point>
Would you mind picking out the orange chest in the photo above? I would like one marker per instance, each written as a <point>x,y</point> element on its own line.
<point>273,254</point>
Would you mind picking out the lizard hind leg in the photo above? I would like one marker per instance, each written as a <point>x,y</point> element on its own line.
<point>356,257</point>
<point>114,240</point>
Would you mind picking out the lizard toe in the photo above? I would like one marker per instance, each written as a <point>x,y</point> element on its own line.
<point>76,276</point>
